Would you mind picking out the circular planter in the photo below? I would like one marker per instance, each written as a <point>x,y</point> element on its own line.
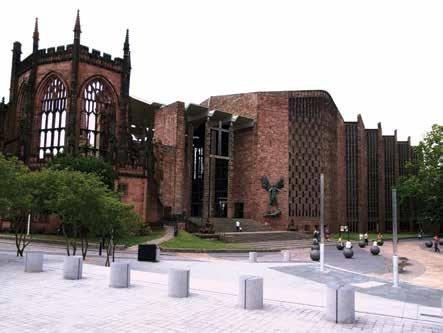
<point>315,255</point>
<point>340,246</point>
<point>428,243</point>
<point>362,243</point>
<point>380,243</point>
<point>348,253</point>
<point>315,247</point>
<point>375,250</point>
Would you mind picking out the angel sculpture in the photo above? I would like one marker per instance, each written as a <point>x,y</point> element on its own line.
<point>273,190</point>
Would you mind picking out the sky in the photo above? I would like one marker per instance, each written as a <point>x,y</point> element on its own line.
<point>380,59</point>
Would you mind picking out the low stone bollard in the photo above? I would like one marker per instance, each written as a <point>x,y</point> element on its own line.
<point>286,255</point>
<point>34,262</point>
<point>340,303</point>
<point>120,275</point>
<point>73,267</point>
<point>375,250</point>
<point>315,255</point>
<point>348,253</point>
<point>252,257</point>
<point>250,293</point>
<point>178,282</point>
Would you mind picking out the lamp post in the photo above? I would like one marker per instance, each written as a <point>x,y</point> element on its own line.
<point>28,229</point>
<point>394,239</point>
<point>322,224</point>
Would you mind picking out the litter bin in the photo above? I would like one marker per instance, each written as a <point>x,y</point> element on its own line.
<point>147,252</point>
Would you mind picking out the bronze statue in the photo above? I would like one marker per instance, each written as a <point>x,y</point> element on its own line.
<point>273,191</point>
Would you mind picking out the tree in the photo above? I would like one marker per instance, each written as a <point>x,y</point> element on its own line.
<point>73,196</point>
<point>86,164</point>
<point>116,221</point>
<point>15,199</point>
<point>78,205</point>
<point>424,182</point>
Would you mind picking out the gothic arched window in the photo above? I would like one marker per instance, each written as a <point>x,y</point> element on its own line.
<point>53,118</point>
<point>96,115</point>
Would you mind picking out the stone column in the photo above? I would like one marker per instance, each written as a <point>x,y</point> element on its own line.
<point>206,175</point>
<point>231,171</point>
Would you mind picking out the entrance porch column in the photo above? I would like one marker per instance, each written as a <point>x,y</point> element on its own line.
<point>206,209</point>
<point>231,208</point>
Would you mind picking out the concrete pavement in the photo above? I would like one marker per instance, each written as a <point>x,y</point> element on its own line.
<point>47,303</point>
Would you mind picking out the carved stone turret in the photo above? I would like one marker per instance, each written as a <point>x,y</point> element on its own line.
<point>35,37</point>
<point>16,58</point>
<point>72,135</point>
<point>124,141</point>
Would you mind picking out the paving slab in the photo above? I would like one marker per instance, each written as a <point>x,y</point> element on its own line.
<point>47,303</point>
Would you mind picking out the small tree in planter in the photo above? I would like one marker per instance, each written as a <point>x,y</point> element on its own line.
<point>15,199</point>
<point>117,220</point>
<point>75,198</point>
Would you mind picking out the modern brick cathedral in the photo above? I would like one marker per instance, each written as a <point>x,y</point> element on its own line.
<point>256,156</point>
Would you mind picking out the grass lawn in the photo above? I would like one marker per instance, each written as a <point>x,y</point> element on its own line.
<point>187,241</point>
<point>372,235</point>
<point>134,240</point>
<point>129,241</point>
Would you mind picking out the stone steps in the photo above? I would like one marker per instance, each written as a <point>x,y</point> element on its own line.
<point>264,236</point>
<point>225,225</point>
<point>280,246</point>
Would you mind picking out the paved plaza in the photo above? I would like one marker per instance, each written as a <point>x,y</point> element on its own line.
<point>44,302</point>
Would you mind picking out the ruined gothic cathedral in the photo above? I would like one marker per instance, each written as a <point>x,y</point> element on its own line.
<point>256,156</point>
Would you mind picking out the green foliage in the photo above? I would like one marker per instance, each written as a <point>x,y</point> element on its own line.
<point>424,182</point>
<point>72,189</point>
<point>115,221</point>
<point>185,240</point>
<point>12,182</point>
<point>86,164</point>
<point>15,199</point>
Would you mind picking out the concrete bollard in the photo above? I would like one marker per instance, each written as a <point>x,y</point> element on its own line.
<point>34,262</point>
<point>340,303</point>
<point>250,293</point>
<point>73,267</point>
<point>252,257</point>
<point>120,275</point>
<point>286,255</point>
<point>178,284</point>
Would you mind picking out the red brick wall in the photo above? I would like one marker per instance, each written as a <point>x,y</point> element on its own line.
<point>263,151</point>
<point>271,155</point>
<point>170,129</point>
<point>239,104</point>
<point>244,170</point>
<point>136,190</point>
